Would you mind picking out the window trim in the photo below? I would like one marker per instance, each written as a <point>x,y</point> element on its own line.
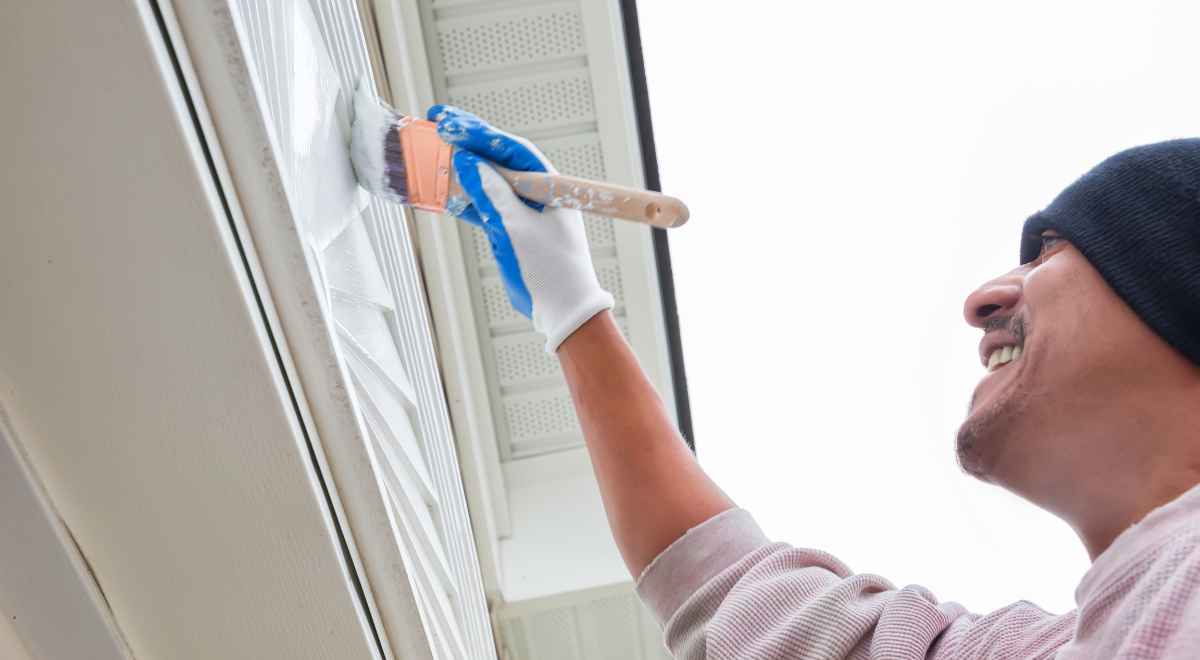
<point>286,270</point>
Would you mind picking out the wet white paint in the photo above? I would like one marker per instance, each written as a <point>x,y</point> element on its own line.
<point>567,196</point>
<point>313,137</point>
<point>370,122</point>
<point>456,204</point>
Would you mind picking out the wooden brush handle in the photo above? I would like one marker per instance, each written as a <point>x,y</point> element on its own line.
<point>607,199</point>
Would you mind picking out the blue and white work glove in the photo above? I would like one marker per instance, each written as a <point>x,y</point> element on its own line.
<point>542,252</point>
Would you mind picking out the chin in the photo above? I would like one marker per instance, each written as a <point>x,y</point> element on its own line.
<point>989,433</point>
<point>972,452</point>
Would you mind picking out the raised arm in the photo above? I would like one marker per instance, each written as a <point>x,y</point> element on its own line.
<point>652,487</point>
<point>705,569</point>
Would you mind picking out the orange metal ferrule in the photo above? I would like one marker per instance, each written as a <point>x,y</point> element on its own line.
<point>427,165</point>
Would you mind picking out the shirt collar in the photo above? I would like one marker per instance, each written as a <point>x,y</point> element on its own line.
<point>1145,535</point>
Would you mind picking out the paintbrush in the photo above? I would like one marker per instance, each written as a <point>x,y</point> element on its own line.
<point>403,159</point>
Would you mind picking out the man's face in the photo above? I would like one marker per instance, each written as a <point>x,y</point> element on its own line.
<point>1066,355</point>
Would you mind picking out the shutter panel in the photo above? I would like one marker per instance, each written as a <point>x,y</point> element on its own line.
<point>366,264</point>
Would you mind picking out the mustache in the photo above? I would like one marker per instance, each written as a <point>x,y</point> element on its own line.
<point>1015,324</point>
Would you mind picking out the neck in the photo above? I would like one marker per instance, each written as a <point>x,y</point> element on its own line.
<point>1097,532</point>
<point>1112,470</point>
<point>1147,466</point>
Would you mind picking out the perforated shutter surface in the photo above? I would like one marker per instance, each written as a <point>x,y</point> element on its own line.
<point>525,69</point>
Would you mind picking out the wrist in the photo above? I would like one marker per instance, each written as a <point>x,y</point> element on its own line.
<point>563,324</point>
<point>600,328</point>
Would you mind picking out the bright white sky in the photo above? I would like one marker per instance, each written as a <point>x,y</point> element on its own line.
<point>855,169</point>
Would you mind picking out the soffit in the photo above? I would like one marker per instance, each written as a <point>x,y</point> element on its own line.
<point>542,71</point>
<point>557,73</point>
<point>607,624</point>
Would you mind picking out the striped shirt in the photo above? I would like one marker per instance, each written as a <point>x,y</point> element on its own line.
<point>724,591</point>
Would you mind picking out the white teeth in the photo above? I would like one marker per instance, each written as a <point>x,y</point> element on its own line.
<point>1002,356</point>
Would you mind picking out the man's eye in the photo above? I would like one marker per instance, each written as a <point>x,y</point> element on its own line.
<point>1048,242</point>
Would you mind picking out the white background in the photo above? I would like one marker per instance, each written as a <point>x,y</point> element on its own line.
<point>855,169</point>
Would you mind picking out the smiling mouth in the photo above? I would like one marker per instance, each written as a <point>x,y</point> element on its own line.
<point>1003,355</point>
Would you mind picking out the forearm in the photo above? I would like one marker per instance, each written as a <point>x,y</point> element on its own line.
<point>652,487</point>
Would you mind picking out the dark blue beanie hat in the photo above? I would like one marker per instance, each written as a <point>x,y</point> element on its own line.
<point>1136,217</point>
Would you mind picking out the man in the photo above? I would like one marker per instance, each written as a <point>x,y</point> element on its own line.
<point>1090,409</point>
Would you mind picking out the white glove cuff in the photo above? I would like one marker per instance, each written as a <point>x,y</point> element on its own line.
<point>582,312</point>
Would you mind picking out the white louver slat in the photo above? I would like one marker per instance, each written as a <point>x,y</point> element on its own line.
<point>376,303</point>
<point>390,426</point>
<point>557,73</point>
<point>531,70</point>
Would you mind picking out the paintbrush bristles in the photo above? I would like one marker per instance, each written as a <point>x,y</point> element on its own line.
<point>394,168</point>
<point>375,149</point>
<point>405,160</point>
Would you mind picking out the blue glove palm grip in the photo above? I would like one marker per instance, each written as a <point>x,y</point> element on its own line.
<point>466,131</point>
<point>475,138</point>
<point>483,214</point>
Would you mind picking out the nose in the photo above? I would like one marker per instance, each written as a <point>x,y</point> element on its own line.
<point>996,298</point>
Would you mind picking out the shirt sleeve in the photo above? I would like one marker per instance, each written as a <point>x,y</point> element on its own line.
<point>723,590</point>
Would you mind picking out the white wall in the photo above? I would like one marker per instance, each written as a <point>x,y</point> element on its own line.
<point>134,360</point>
<point>11,647</point>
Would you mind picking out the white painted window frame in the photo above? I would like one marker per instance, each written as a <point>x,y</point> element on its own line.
<point>414,616</point>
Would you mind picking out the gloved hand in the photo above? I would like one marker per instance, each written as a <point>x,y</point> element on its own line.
<point>542,252</point>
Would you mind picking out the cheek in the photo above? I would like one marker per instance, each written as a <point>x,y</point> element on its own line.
<point>1087,338</point>
<point>1061,278</point>
<point>1057,312</point>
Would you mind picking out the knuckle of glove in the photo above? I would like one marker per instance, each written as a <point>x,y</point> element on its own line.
<point>466,131</point>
